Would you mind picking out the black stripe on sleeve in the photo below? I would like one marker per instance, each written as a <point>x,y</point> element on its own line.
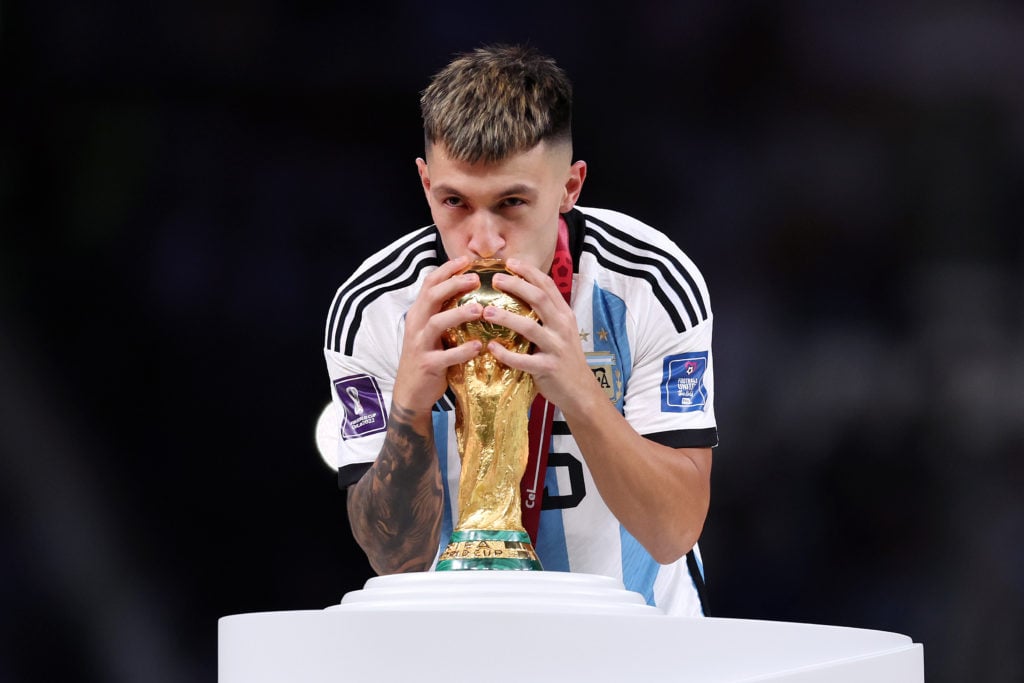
<point>671,272</point>
<point>659,292</point>
<point>375,283</point>
<point>350,474</point>
<point>686,438</point>
<point>356,317</point>
<point>677,438</point>
<point>667,257</point>
<point>345,292</point>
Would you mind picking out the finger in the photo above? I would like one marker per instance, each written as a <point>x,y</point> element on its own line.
<point>516,286</point>
<point>448,269</point>
<point>506,356</point>
<point>424,332</point>
<point>461,353</point>
<point>520,324</point>
<point>517,361</point>
<point>454,317</point>
<point>540,291</point>
<point>534,297</point>
<point>549,306</point>
<point>453,287</point>
<point>534,276</point>
<point>442,286</point>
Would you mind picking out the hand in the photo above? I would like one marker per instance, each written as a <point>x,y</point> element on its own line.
<point>422,368</point>
<point>558,364</point>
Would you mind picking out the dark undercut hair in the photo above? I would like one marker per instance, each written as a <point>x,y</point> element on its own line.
<point>497,101</point>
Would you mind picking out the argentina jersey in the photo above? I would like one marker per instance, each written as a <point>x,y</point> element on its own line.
<point>645,326</point>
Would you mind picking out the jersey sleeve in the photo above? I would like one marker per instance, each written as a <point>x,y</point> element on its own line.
<point>648,290</point>
<point>361,386</point>
<point>670,396</point>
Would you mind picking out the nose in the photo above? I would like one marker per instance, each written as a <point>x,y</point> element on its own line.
<point>485,240</point>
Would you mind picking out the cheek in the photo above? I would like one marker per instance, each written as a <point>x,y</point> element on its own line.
<point>454,240</point>
<point>537,246</point>
<point>452,245</point>
<point>445,220</point>
<point>436,213</point>
<point>547,253</point>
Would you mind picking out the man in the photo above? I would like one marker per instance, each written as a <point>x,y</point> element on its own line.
<point>628,481</point>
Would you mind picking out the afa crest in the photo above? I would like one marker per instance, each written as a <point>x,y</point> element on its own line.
<point>605,367</point>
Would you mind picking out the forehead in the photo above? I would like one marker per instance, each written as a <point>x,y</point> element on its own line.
<point>535,168</point>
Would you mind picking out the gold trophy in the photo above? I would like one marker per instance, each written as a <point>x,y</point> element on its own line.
<point>491,425</point>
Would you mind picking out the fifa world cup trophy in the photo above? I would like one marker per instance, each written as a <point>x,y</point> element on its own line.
<point>491,425</point>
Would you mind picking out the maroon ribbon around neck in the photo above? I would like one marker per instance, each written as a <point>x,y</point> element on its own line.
<point>542,412</point>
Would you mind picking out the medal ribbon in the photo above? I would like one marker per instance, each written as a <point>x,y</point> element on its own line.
<point>542,412</point>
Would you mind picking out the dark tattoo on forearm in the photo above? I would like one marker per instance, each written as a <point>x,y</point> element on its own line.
<point>395,509</point>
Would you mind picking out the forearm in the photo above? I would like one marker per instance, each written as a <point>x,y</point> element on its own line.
<point>659,494</point>
<point>395,508</point>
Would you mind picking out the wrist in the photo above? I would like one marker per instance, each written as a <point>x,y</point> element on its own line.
<point>588,402</point>
<point>413,415</point>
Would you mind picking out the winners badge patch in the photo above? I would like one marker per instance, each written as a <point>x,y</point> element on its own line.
<point>364,406</point>
<point>682,382</point>
<point>606,371</point>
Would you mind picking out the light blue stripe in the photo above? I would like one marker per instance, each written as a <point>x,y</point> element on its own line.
<point>551,548</point>
<point>609,333</point>
<point>639,570</point>
<point>440,420</point>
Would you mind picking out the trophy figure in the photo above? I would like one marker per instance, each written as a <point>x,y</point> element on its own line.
<point>491,426</point>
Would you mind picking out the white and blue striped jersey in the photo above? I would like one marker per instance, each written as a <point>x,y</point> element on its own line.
<point>645,325</point>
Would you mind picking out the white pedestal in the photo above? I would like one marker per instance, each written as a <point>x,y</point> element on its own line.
<point>547,626</point>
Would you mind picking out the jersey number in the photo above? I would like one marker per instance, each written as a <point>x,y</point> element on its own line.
<point>577,486</point>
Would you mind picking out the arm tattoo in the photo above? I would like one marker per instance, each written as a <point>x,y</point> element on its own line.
<point>395,508</point>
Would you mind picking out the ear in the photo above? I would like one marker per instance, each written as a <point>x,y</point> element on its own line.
<point>573,186</point>
<point>421,168</point>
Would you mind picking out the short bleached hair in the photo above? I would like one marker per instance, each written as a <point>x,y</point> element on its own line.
<point>497,101</point>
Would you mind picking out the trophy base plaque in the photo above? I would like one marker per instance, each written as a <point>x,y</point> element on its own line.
<point>483,549</point>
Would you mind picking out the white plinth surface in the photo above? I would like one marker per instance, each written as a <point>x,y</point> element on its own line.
<point>497,626</point>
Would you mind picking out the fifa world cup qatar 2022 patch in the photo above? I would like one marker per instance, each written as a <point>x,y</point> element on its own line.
<point>682,382</point>
<point>364,406</point>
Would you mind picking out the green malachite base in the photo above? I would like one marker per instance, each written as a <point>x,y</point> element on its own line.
<point>489,550</point>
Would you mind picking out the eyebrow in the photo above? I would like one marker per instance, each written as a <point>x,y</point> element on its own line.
<point>518,189</point>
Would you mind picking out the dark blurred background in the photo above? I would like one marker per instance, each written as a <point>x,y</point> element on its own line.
<point>184,185</point>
